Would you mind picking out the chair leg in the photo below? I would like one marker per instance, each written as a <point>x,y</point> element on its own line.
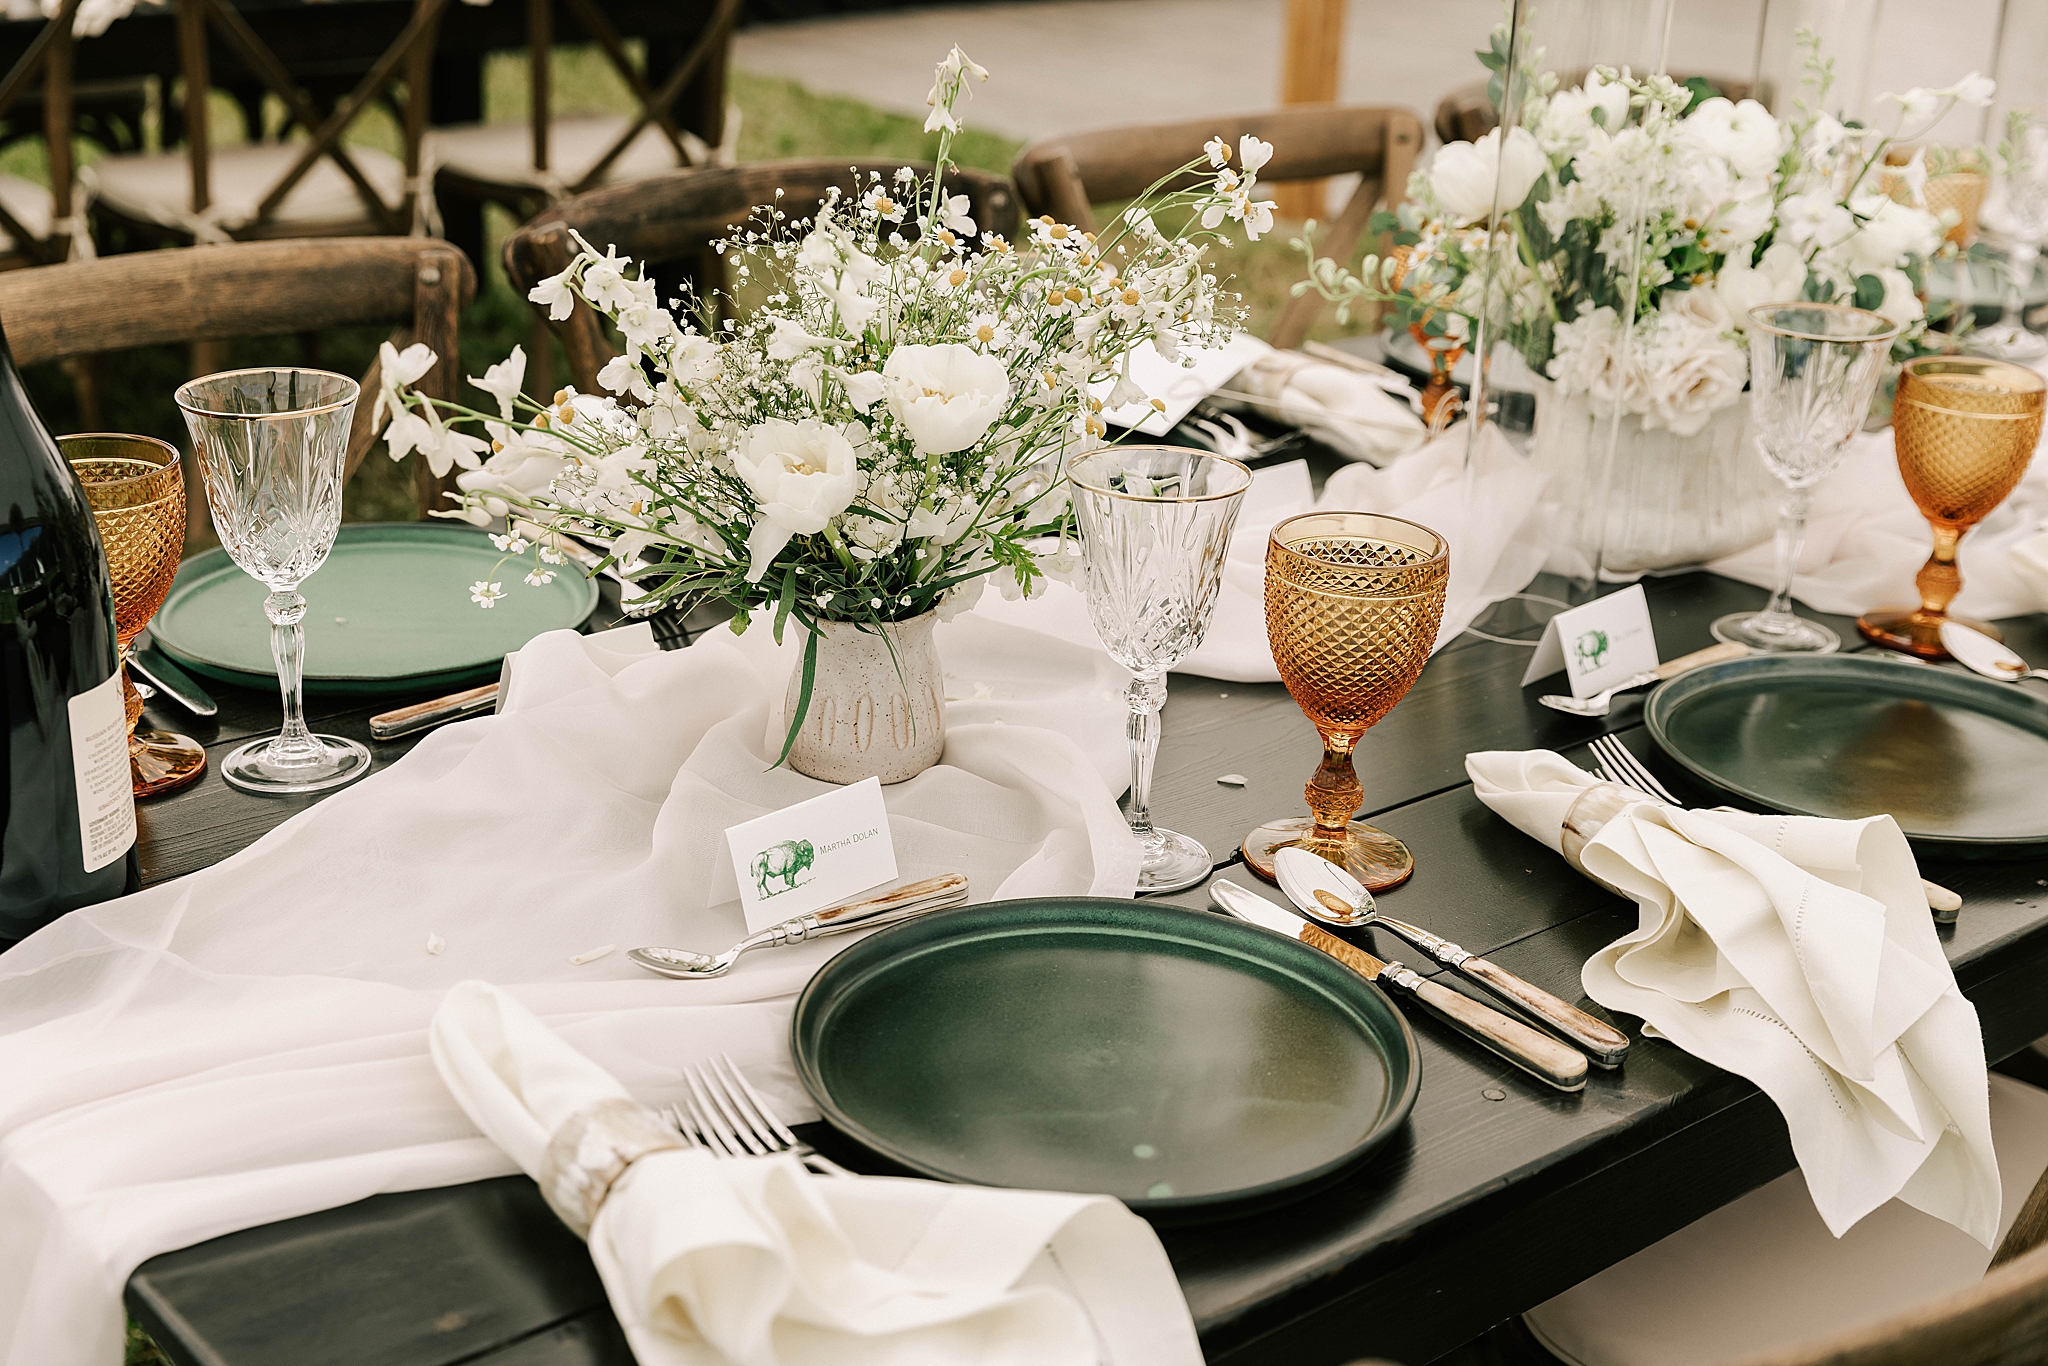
<point>540,359</point>
<point>87,382</point>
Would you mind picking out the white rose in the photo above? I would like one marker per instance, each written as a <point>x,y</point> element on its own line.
<point>1901,305</point>
<point>1691,372</point>
<point>1779,278</point>
<point>1744,136</point>
<point>1464,175</point>
<point>803,474</point>
<point>947,396</point>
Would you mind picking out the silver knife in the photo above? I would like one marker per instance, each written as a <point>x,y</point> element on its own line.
<point>153,664</point>
<point>1556,1064</point>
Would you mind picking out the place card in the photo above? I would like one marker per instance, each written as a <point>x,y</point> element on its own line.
<point>813,855</point>
<point>1598,645</point>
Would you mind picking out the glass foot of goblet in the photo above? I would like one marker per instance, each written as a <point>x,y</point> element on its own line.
<point>1915,630</point>
<point>1366,852</point>
<point>330,761</point>
<point>1777,633</point>
<point>2008,342</point>
<point>162,761</point>
<point>1173,862</point>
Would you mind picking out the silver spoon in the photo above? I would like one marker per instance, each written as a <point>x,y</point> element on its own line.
<point>1600,702</point>
<point>901,903</point>
<point>1331,895</point>
<point>1981,654</point>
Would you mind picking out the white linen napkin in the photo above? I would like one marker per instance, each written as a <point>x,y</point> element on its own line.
<point>249,1043</point>
<point>1347,410</point>
<point>1494,519</point>
<point>1799,953</point>
<point>756,1262</point>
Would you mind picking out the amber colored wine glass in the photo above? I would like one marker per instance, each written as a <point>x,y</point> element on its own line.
<point>1965,429</point>
<point>136,490</point>
<point>1353,603</point>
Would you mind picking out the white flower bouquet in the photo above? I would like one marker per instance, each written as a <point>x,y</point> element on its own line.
<point>888,431</point>
<point>1643,196</point>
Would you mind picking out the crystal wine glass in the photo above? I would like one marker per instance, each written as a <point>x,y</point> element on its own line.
<point>273,447</point>
<point>1812,371</point>
<point>1353,603</point>
<point>1155,525</point>
<point>135,486</point>
<point>2026,212</point>
<point>1965,430</point>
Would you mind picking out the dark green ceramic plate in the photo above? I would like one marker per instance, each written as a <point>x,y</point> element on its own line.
<point>389,612</point>
<point>1181,1061</point>
<point>1959,761</point>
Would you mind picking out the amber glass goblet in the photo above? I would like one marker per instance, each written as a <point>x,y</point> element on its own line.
<point>1353,602</point>
<point>136,490</point>
<point>1965,428</point>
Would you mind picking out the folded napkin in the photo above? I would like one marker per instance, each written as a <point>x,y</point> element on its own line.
<point>249,1042</point>
<point>756,1262</point>
<point>1353,412</point>
<point>1491,510</point>
<point>1799,953</point>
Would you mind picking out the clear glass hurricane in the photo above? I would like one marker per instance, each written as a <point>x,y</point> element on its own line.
<point>273,452</point>
<point>2025,181</point>
<point>1812,371</point>
<point>1155,525</point>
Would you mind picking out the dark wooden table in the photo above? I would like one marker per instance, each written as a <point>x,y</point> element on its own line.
<point>1498,1194</point>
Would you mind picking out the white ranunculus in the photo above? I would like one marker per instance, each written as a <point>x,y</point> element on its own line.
<point>1890,231</point>
<point>803,474</point>
<point>1464,175</point>
<point>1690,372</point>
<point>946,396</point>
<point>1571,112</point>
<point>1778,278</point>
<point>1814,219</point>
<point>1901,305</point>
<point>1744,136</point>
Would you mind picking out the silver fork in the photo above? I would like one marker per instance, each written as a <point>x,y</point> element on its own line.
<point>1617,765</point>
<point>724,1114</point>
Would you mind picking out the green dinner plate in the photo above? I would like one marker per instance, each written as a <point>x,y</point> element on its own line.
<point>1186,1063</point>
<point>1959,761</point>
<point>389,612</point>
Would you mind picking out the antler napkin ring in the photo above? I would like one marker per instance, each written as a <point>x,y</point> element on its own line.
<point>591,1151</point>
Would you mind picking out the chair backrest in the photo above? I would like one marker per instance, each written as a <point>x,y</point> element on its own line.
<point>251,289</point>
<point>657,107</point>
<point>1063,176</point>
<point>677,216</point>
<point>1467,113</point>
<point>409,58</point>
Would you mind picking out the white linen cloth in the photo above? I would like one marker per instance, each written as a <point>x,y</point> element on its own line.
<point>756,1262</point>
<point>249,1043</point>
<point>1350,411</point>
<point>1865,541</point>
<point>1494,520</point>
<point>1799,953</point>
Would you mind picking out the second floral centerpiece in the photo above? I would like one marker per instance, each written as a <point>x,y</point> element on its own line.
<point>860,453</point>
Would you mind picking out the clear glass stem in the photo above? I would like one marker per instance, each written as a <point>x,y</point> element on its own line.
<point>1144,696</point>
<point>1791,539</point>
<point>2019,275</point>
<point>294,744</point>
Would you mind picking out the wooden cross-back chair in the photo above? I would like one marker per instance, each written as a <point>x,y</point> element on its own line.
<point>321,187</point>
<point>212,294</point>
<point>38,223</point>
<point>676,217</point>
<point>547,158</point>
<point>1467,113</point>
<point>1063,176</point>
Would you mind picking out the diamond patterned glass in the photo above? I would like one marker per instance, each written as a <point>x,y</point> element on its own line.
<point>1353,604</point>
<point>136,489</point>
<point>273,449</point>
<point>1154,523</point>
<point>1965,428</point>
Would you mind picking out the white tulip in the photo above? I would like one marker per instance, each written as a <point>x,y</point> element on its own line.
<point>946,396</point>
<point>803,474</point>
<point>1464,175</point>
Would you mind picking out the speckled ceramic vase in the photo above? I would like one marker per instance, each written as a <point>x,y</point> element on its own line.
<point>871,715</point>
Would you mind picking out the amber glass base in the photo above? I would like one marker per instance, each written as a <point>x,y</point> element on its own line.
<point>1915,630</point>
<point>159,761</point>
<point>1367,852</point>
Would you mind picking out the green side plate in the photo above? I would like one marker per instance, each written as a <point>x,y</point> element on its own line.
<point>1959,761</point>
<point>387,613</point>
<point>1189,1064</point>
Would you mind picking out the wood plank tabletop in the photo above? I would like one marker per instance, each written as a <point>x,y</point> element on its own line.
<point>1497,1194</point>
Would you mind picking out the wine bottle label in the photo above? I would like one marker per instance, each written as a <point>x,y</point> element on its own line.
<point>99,760</point>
